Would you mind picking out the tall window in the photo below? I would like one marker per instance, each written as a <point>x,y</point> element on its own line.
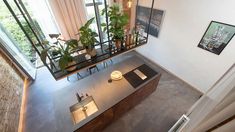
<point>14,32</point>
<point>94,10</point>
<point>12,37</point>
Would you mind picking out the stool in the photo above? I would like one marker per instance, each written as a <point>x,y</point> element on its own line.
<point>78,76</point>
<point>91,68</point>
<point>106,64</point>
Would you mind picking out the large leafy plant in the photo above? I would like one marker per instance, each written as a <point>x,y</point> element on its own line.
<point>61,50</point>
<point>117,21</point>
<point>87,35</point>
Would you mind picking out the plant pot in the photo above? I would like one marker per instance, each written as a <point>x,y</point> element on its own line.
<point>118,43</point>
<point>129,41</point>
<point>91,51</point>
<point>70,64</point>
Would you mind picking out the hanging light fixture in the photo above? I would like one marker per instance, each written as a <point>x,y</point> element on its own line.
<point>129,3</point>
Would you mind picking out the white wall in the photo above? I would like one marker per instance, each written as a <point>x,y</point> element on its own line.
<point>183,26</point>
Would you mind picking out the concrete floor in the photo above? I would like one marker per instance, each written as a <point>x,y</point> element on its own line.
<point>157,113</point>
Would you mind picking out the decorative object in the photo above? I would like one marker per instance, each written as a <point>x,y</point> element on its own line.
<point>143,14</point>
<point>61,50</point>
<point>88,57</point>
<point>217,37</point>
<point>116,75</point>
<point>88,37</point>
<point>118,20</point>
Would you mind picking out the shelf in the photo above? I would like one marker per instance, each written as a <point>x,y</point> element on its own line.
<point>103,54</point>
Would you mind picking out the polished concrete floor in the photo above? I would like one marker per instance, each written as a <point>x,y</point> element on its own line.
<point>157,113</point>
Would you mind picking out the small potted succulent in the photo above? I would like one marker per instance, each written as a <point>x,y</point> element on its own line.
<point>63,51</point>
<point>88,38</point>
<point>117,22</point>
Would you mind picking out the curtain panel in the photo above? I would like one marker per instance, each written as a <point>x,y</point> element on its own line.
<point>70,15</point>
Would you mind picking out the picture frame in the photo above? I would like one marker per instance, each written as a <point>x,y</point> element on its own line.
<point>142,19</point>
<point>217,37</point>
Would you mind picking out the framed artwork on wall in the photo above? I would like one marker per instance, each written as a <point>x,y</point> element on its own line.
<point>143,14</point>
<point>217,37</point>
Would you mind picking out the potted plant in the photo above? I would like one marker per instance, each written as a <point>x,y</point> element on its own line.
<point>117,21</point>
<point>88,37</point>
<point>61,50</point>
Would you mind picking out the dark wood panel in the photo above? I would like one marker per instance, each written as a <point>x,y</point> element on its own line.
<point>99,123</point>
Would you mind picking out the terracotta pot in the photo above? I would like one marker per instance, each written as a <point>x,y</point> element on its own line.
<point>118,43</point>
<point>129,41</point>
<point>71,68</point>
<point>91,52</point>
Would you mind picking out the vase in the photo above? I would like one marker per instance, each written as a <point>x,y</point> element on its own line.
<point>129,41</point>
<point>118,43</point>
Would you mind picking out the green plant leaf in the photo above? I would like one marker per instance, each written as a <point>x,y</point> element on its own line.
<point>103,11</point>
<point>45,42</point>
<point>63,63</point>
<point>118,20</point>
<point>87,36</point>
<point>103,24</point>
<point>43,55</point>
<point>72,43</point>
<point>89,22</point>
<point>104,29</point>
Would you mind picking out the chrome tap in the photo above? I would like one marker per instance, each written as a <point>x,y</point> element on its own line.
<point>78,97</point>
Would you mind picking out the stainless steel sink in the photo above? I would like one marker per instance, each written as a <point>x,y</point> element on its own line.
<point>83,109</point>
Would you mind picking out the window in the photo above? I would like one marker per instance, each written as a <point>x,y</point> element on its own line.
<point>11,28</point>
<point>94,10</point>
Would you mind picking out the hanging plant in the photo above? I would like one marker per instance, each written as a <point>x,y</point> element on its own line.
<point>61,50</point>
<point>88,37</point>
<point>117,21</point>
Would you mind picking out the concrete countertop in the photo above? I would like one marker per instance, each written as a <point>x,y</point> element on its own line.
<point>105,94</point>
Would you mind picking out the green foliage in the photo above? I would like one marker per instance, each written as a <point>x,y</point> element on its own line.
<point>64,51</point>
<point>87,36</point>
<point>117,21</point>
<point>15,32</point>
<point>18,36</point>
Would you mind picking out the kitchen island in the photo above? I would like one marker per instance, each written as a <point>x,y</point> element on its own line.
<point>112,99</point>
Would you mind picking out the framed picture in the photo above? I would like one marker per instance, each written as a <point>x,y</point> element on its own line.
<point>143,15</point>
<point>217,37</point>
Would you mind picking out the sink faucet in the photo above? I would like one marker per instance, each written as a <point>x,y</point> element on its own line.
<point>78,97</point>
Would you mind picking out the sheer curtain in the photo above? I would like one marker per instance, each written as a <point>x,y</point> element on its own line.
<point>210,103</point>
<point>70,15</point>
<point>44,16</point>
